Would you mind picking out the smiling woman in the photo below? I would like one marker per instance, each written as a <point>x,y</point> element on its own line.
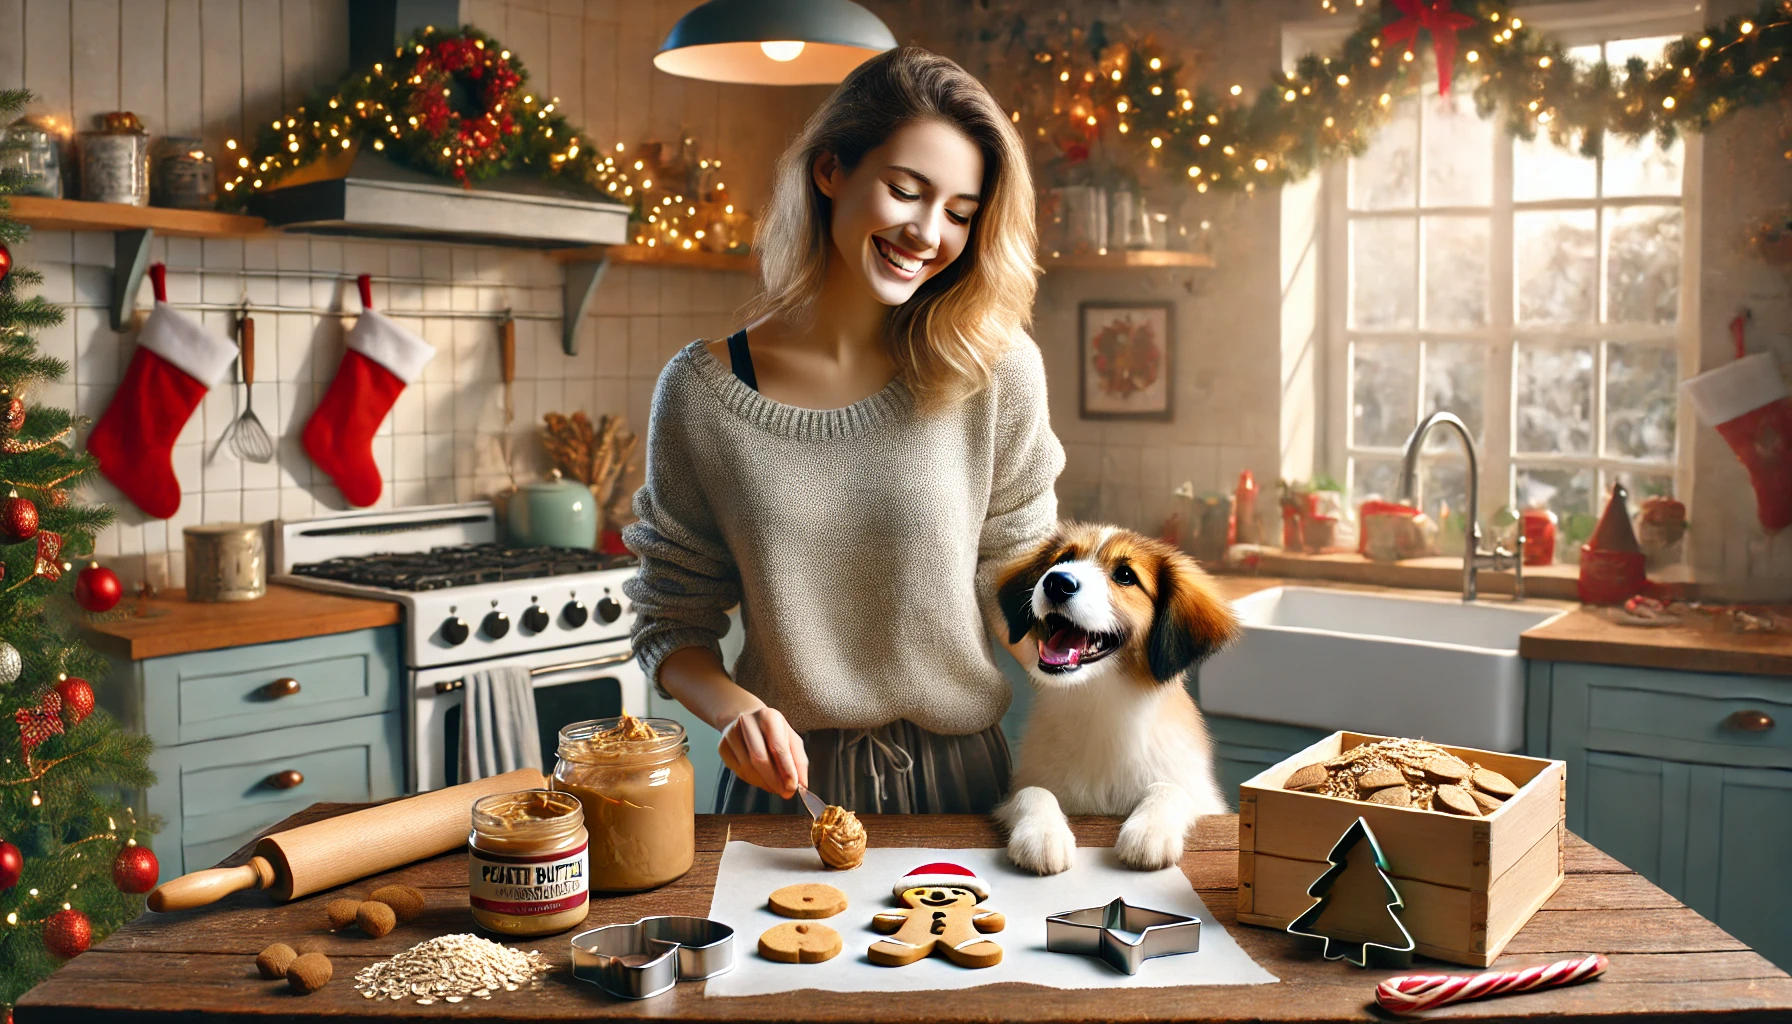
<point>854,465</point>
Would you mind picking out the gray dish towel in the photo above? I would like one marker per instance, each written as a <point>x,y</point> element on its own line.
<point>899,768</point>
<point>498,731</point>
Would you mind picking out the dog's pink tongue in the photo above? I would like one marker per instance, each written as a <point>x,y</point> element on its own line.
<point>1064,647</point>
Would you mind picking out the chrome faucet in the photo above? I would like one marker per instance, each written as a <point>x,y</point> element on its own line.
<point>1473,558</point>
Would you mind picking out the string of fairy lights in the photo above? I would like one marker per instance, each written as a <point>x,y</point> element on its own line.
<point>1130,97</point>
<point>458,104</point>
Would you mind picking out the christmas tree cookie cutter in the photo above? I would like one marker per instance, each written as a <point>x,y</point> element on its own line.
<point>648,957</point>
<point>1121,934</point>
<point>1384,954</point>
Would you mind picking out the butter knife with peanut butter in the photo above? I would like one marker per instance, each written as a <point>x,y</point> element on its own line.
<point>836,832</point>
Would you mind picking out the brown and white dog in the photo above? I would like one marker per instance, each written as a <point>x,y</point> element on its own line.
<point>1117,619</point>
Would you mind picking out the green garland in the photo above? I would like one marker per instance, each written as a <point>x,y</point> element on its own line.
<point>1329,107</point>
<point>455,103</point>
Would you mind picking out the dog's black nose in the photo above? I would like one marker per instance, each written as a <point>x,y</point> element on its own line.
<point>1059,586</point>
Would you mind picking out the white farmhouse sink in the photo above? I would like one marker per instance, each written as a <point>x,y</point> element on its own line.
<point>1421,667</point>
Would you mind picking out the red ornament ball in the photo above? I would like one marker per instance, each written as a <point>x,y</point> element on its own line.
<point>77,698</point>
<point>12,864</point>
<point>67,934</point>
<point>5,262</point>
<point>97,588</point>
<point>18,519</point>
<point>135,870</point>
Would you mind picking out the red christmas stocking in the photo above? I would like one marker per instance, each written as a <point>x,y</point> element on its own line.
<point>1747,402</point>
<point>176,363</point>
<point>382,358</point>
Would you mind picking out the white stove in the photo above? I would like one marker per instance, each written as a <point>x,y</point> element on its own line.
<point>471,603</point>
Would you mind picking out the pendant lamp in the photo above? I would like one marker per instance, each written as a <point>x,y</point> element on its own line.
<point>773,42</point>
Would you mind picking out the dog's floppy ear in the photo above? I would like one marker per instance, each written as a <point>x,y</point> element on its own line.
<point>1014,595</point>
<point>1191,620</point>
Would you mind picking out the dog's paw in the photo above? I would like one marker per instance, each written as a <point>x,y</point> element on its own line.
<point>1148,845</point>
<point>1042,847</point>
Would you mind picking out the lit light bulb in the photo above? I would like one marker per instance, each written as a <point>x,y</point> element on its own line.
<point>1237,90</point>
<point>1261,164</point>
<point>782,50</point>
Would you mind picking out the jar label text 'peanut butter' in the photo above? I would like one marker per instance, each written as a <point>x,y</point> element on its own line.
<point>528,886</point>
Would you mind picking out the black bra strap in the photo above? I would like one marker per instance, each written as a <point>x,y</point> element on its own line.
<point>741,360</point>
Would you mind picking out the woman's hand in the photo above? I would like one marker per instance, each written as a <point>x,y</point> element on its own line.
<point>762,748</point>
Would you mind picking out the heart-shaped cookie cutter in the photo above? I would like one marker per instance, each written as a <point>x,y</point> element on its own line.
<point>648,957</point>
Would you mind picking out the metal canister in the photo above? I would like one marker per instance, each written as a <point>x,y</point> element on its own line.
<point>184,175</point>
<point>225,562</point>
<point>115,162</point>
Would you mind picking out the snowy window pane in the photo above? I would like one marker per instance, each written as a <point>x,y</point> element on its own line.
<point>1554,398</point>
<point>1382,261</point>
<point>1642,264</point>
<point>1458,151</point>
<point>1386,176</point>
<point>1384,377</point>
<point>1455,272</point>
<point>1640,400</point>
<point>1557,273</point>
<point>1373,478</point>
<point>1562,491</point>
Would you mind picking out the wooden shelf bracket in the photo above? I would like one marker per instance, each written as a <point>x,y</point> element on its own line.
<point>582,279</point>
<point>130,258</point>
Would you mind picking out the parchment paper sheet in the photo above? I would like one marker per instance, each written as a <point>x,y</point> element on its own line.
<point>750,873</point>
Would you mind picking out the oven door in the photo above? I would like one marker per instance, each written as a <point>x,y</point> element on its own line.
<point>572,684</point>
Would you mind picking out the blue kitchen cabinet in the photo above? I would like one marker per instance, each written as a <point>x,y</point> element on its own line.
<point>1243,747</point>
<point>1686,778</point>
<point>246,736</point>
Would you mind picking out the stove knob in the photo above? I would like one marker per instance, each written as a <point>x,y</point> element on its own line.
<point>608,610</point>
<point>496,625</point>
<point>455,631</point>
<point>575,614</point>
<point>535,619</point>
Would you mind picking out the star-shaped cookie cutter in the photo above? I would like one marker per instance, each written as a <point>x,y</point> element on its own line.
<point>1123,935</point>
<point>643,959</point>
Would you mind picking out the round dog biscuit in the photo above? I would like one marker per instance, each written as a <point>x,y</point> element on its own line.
<point>1455,800</point>
<point>803,943</point>
<point>1446,768</point>
<point>1380,778</point>
<point>1487,803</point>
<point>1493,783</point>
<point>1392,796</point>
<point>1310,777</point>
<point>807,900</point>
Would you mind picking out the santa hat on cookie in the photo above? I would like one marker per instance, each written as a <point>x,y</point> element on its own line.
<point>942,874</point>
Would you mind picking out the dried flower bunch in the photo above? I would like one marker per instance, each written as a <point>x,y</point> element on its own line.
<point>594,455</point>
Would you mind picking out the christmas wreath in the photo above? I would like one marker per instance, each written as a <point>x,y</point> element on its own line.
<point>453,103</point>
<point>1127,356</point>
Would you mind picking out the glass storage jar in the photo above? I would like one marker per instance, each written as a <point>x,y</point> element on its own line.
<point>528,861</point>
<point>639,792</point>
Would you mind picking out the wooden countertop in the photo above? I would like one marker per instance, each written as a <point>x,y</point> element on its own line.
<point>1588,634</point>
<point>175,625</point>
<point>1667,962</point>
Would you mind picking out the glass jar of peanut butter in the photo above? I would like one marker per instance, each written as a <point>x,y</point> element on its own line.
<point>639,793</point>
<point>528,863</point>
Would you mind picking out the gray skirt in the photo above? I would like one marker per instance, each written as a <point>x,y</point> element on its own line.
<point>898,768</point>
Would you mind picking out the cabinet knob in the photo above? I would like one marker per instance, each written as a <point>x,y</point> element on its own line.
<point>287,779</point>
<point>1751,721</point>
<point>280,688</point>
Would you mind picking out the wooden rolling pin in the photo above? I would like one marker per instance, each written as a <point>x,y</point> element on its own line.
<point>325,854</point>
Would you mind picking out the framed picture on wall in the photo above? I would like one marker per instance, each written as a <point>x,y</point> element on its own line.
<point>1124,360</point>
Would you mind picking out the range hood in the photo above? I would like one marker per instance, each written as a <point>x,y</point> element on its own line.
<point>368,195</point>
<point>373,197</point>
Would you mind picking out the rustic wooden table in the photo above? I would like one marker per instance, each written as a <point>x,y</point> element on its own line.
<point>1667,962</point>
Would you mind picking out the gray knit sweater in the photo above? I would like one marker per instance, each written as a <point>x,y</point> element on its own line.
<point>860,543</point>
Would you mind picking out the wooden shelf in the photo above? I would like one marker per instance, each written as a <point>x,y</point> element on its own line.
<point>76,215</point>
<point>659,256</point>
<point>1125,259</point>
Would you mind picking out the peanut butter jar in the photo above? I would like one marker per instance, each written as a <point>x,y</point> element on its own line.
<point>528,863</point>
<point>639,792</point>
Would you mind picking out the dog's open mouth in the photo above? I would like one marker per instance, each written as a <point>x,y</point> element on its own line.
<point>1067,646</point>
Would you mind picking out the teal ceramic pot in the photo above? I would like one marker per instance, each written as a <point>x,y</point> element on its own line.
<point>556,512</point>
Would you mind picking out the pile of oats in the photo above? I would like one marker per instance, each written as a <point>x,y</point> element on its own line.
<point>451,968</point>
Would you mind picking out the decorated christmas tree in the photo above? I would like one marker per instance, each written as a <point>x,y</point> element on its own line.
<point>71,865</point>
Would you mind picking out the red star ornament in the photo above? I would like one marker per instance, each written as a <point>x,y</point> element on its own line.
<point>1436,18</point>
<point>40,723</point>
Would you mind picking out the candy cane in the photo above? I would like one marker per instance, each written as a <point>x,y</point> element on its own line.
<point>1416,992</point>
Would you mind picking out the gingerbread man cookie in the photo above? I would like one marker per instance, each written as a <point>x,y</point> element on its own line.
<point>940,914</point>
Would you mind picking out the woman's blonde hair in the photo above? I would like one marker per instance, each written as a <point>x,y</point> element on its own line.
<point>947,337</point>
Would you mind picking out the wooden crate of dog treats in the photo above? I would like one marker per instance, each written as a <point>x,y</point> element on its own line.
<point>1469,882</point>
